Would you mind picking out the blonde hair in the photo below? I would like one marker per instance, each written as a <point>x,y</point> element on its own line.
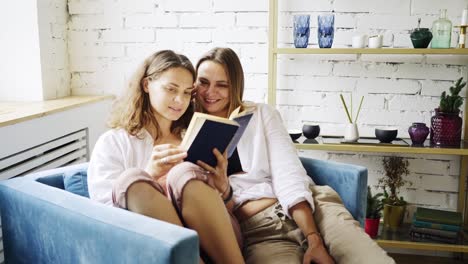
<point>133,111</point>
<point>233,68</point>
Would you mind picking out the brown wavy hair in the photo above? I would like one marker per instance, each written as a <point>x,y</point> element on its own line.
<point>233,68</point>
<point>133,111</point>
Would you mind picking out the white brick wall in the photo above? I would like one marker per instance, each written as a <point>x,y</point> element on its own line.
<point>106,39</point>
<point>53,29</point>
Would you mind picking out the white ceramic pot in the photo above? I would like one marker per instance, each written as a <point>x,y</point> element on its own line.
<point>376,41</point>
<point>351,133</point>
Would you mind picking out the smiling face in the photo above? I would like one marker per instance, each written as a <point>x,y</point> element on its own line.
<point>213,88</point>
<point>170,93</point>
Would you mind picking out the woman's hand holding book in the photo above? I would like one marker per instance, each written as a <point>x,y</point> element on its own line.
<point>219,173</point>
<point>163,158</point>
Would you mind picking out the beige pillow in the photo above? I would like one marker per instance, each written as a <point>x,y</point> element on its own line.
<point>346,240</point>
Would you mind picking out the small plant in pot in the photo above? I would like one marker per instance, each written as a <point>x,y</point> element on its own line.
<point>446,124</point>
<point>373,213</point>
<point>394,206</point>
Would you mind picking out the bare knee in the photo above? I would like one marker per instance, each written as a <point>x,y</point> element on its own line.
<point>181,173</point>
<point>141,195</point>
<point>195,194</point>
<point>195,190</point>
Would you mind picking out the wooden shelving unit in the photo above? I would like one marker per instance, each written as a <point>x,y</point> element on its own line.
<point>462,150</point>
<point>387,241</point>
<point>381,51</point>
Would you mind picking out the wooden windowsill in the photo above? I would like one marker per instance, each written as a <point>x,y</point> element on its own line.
<point>15,112</point>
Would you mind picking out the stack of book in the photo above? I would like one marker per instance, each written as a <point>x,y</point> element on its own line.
<point>431,225</point>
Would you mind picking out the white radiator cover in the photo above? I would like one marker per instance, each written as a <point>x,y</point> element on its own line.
<point>50,141</point>
<point>65,150</point>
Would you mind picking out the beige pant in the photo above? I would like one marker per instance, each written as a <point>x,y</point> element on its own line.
<point>270,237</point>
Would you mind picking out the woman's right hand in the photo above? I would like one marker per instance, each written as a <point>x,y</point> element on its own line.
<point>218,173</point>
<point>163,158</point>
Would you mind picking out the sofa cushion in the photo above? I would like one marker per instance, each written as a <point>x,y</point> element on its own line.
<point>76,182</point>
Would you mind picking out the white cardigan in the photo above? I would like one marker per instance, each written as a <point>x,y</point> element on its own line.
<point>115,152</point>
<point>270,159</point>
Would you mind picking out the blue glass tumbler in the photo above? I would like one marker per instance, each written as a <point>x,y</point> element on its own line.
<point>325,30</point>
<point>301,31</point>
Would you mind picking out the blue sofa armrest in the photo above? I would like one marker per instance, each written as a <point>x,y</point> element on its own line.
<point>349,181</point>
<point>43,224</point>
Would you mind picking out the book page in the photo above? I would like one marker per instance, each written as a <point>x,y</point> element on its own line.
<point>204,116</point>
<point>234,113</point>
<point>192,131</point>
<point>237,112</point>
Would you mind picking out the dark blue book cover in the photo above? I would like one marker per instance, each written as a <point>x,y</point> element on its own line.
<point>211,135</point>
<point>243,121</point>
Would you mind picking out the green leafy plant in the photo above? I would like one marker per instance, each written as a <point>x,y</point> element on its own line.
<point>395,168</point>
<point>374,204</point>
<point>451,103</point>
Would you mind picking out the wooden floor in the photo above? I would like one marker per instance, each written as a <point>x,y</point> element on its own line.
<point>412,259</point>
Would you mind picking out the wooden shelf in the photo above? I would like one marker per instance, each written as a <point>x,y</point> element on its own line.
<point>401,239</point>
<point>14,112</point>
<point>462,150</point>
<point>422,245</point>
<point>382,51</point>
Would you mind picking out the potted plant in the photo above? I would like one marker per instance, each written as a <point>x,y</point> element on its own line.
<point>446,124</point>
<point>394,206</point>
<point>373,213</point>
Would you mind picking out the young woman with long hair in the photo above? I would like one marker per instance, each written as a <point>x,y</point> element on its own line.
<point>273,198</point>
<point>138,164</point>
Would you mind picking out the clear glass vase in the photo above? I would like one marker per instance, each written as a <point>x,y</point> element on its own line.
<point>441,31</point>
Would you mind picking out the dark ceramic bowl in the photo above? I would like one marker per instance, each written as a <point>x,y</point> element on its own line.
<point>310,131</point>
<point>386,135</point>
<point>294,133</point>
<point>421,37</point>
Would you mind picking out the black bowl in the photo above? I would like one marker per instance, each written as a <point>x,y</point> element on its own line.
<point>386,135</point>
<point>294,134</point>
<point>310,131</point>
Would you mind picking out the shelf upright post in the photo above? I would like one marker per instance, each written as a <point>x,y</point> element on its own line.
<point>463,184</point>
<point>272,55</point>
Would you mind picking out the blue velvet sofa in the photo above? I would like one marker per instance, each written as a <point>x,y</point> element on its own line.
<point>43,223</point>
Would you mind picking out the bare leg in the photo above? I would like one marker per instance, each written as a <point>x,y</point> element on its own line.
<point>205,212</point>
<point>142,198</point>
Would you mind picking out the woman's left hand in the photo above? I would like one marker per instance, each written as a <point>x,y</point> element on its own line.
<point>316,252</point>
<point>218,173</point>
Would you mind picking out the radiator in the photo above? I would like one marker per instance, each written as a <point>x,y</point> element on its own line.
<point>66,150</point>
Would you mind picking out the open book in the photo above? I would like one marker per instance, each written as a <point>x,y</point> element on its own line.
<point>206,132</point>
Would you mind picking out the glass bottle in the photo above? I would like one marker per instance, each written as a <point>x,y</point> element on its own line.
<point>441,31</point>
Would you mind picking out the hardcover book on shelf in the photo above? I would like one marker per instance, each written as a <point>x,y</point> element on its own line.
<point>435,232</point>
<point>424,224</point>
<point>423,237</point>
<point>438,216</point>
<point>206,132</point>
